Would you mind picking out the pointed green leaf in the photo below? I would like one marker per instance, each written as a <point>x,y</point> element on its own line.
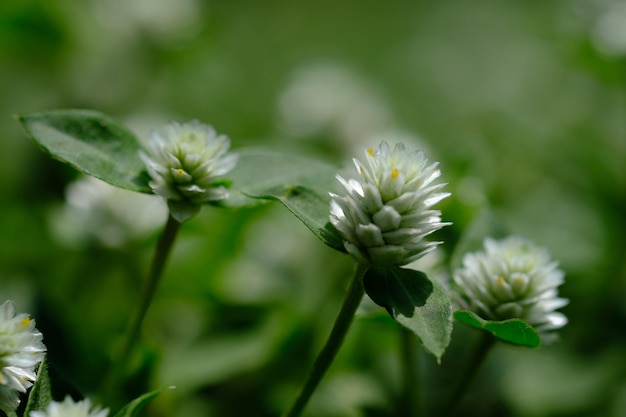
<point>41,393</point>
<point>91,142</point>
<point>310,208</point>
<point>301,184</point>
<point>514,331</point>
<point>133,408</point>
<point>259,171</point>
<point>415,302</point>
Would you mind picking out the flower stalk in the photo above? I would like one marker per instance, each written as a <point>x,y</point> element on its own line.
<point>150,285</point>
<point>334,342</point>
<point>411,400</point>
<point>485,343</point>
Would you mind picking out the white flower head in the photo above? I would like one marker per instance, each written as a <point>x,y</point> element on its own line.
<point>21,351</point>
<point>513,278</point>
<point>386,214</point>
<point>70,408</point>
<point>187,163</point>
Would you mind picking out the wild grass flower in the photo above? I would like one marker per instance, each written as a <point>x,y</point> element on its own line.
<point>513,278</point>
<point>187,163</point>
<point>21,351</point>
<point>70,408</point>
<point>386,214</point>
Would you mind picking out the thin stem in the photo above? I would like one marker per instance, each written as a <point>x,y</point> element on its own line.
<point>334,342</point>
<point>411,396</point>
<point>150,285</point>
<point>483,347</point>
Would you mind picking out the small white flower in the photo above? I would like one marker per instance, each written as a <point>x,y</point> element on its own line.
<point>513,278</point>
<point>97,211</point>
<point>70,408</point>
<point>187,163</point>
<point>21,350</point>
<point>386,214</point>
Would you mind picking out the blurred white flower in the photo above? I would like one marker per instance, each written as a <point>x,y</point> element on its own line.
<point>386,214</point>
<point>21,350</point>
<point>608,27</point>
<point>166,21</point>
<point>513,278</point>
<point>328,98</point>
<point>70,408</point>
<point>95,210</point>
<point>187,163</point>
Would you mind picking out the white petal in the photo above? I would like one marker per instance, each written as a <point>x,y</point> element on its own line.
<point>369,235</point>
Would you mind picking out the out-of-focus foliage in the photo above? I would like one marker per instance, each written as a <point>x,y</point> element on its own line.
<point>522,102</point>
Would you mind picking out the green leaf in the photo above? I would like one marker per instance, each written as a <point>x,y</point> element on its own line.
<point>133,408</point>
<point>514,331</point>
<point>41,393</point>
<point>415,302</point>
<point>310,208</point>
<point>91,142</point>
<point>259,171</point>
<point>301,184</point>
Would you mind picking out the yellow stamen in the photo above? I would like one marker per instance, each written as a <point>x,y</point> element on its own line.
<point>500,282</point>
<point>370,151</point>
<point>25,321</point>
<point>394,173</point>
<point>180,172</point>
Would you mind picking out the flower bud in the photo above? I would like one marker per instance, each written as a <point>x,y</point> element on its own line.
<point>513,278</point>
<point>21,350</point>
<point>386,214</point>
<point>186,163</point>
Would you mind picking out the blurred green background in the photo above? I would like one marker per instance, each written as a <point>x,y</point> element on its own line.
<point>522,102</point>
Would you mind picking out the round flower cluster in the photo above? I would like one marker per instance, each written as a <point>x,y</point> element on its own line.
<point>70,408</point>
<point>187,163</point>
<point>21,351</point>
<point>513,278</point>
<point>386,214</point>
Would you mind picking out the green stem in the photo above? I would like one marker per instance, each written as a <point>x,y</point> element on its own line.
<point>411,397</point>
<point>334,342</point>
<point>483,347</point>
<point>150,285</point>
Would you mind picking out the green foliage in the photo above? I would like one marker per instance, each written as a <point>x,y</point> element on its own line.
<point>97,145</point>
<point>521,102</point>
<point>414,301</point>
<point>41,393</point>
<point>93,143</point>
<point>513,331</point>
<point>133,408</point>
<point>300,184</point>
<point>261,171</point>
<point>311,208</point>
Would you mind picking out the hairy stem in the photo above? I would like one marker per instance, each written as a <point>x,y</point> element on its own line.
<point>334,342</point>
<point>411,401</point>
<point>485,343</point>
<point>150,285</point>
